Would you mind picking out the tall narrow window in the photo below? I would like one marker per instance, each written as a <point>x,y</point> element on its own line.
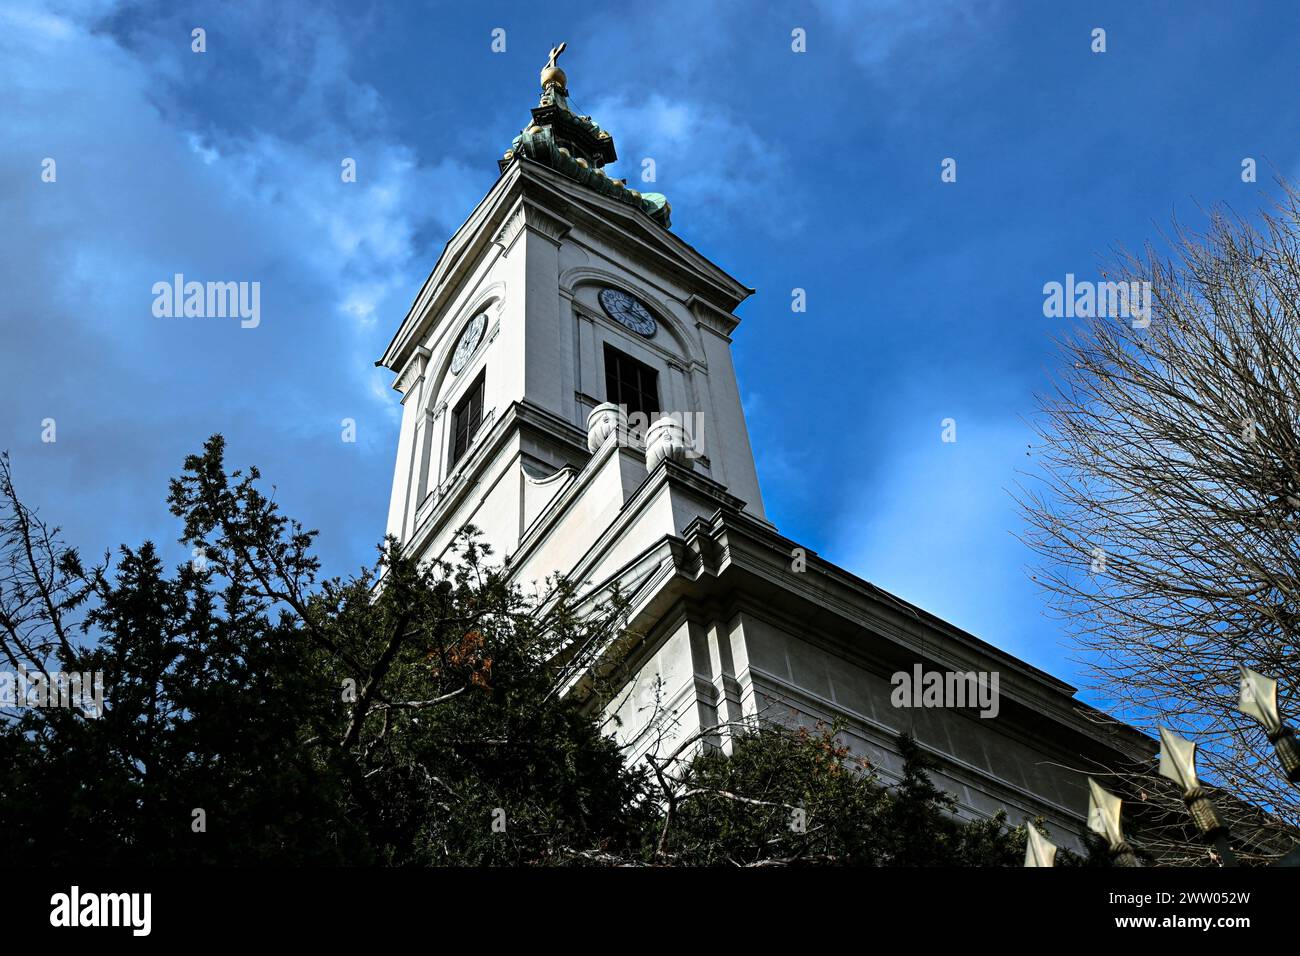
<point>631,383</point>
<point>465,420</point>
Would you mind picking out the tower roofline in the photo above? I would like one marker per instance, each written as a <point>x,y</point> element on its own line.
<point>525,180</point>
<point>576,146</point>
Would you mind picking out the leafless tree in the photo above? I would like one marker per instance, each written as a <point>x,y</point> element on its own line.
<point>43,586</point>
<point>1166,513</point>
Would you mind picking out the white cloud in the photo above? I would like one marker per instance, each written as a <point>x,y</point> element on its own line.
<point>153,179</point>
<point>714,168</point>
<point>146,188</point>
<point>37,25</point>
<point>939,31</point>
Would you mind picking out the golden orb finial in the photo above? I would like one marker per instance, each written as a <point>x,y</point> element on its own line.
<point>552,75</point>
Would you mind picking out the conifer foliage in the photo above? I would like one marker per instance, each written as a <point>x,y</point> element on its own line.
<point>254,712</point>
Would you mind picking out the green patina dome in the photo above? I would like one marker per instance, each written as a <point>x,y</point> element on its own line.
<point>577,147</point>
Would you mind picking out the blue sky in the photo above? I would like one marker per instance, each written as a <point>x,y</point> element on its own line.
<point>818,170</point>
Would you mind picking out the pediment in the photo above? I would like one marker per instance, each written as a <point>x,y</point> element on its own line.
<point>545,194</point>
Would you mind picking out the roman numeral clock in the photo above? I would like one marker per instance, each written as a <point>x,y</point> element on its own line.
<point>469,340</point>
<point>628,311</point>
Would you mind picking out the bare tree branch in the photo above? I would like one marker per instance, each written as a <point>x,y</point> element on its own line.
<point>1166,513</point>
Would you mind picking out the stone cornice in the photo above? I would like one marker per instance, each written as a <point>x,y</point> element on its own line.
<point>627,228</point>
<point>712,317</point>
<point>527,214</point>
<point>735,542</point>
<point>734,557</point>
<point>413,371</point>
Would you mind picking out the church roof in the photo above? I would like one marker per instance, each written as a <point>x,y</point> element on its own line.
<point>576,146</point>
<point>537,183</point>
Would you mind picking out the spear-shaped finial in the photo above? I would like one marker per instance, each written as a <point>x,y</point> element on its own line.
<point>1103,820</point>
<point>1178,763</point>
<point>1039,851</point>
<point>1259,700</point>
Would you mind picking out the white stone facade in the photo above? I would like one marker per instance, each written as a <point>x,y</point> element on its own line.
<point>729,626</point>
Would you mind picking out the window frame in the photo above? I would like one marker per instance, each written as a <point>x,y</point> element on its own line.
<point>473,396</point>
<point>617,364</point>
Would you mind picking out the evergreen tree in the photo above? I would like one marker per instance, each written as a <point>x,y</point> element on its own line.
<point>413,714</point>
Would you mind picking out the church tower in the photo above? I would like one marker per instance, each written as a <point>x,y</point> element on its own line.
<point>565,292</point>
<point>567,387</point>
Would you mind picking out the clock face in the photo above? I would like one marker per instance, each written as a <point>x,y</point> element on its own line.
<point>623,308</point>
<point>469,340</point>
